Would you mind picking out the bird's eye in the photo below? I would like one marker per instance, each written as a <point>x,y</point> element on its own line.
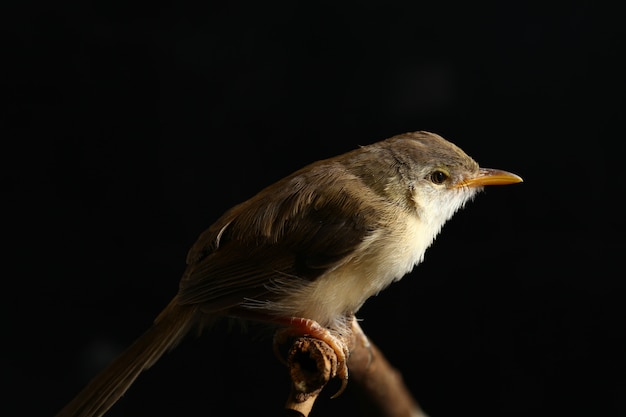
<point>438,177</point>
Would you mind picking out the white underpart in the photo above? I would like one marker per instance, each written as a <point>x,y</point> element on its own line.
<point>387,257</point>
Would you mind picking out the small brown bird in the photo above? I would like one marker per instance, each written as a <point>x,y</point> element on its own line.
<point>307,251</point>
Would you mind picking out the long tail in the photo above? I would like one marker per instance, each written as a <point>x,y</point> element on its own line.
<point>108,386</point>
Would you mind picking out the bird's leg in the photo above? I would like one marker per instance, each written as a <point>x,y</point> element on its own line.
<point>296,326</point>
<point>362,339</point>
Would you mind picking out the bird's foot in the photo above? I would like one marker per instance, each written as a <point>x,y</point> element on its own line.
<point>297,326</point>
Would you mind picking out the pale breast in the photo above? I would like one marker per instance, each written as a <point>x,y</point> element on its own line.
<point>386,256</point>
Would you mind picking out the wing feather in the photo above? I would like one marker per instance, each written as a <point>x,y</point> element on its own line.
<point>294,230</point>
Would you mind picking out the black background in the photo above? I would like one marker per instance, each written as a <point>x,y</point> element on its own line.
<point>127,130</point>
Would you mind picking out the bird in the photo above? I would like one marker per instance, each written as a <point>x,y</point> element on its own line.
<point>306,252</point>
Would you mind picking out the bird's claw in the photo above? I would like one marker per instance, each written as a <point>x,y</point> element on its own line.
<point>307,327</point>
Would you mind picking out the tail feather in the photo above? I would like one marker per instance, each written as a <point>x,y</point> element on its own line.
<point>108,386</point>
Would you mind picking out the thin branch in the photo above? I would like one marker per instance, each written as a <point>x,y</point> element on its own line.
<point>313,363</point>
<point>380,386</point>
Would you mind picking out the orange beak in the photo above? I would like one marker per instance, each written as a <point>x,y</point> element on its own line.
<point>488,176</point>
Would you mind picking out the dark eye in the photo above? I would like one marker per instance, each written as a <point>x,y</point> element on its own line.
<point>438,177</point>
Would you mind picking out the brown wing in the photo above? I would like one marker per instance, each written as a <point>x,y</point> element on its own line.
<point>293,230</point>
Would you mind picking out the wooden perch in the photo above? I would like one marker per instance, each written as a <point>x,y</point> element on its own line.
<point>312,363</point>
